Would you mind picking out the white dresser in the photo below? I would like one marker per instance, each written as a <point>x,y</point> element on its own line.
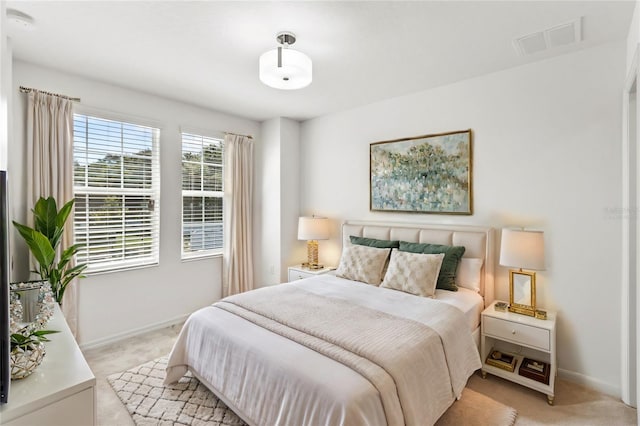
<point>62,390</point>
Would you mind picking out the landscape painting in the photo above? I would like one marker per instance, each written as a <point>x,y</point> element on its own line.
<point>424,174</point>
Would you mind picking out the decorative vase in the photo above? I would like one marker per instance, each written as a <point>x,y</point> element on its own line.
<point>25,361</point>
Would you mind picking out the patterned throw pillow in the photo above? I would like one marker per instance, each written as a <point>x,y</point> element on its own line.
<point>414,273</point>
<point>362,263</point>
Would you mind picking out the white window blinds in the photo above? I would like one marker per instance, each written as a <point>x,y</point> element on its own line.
<point>202,192</point>
<point>117,192</point>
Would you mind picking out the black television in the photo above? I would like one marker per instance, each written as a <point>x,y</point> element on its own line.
<point>5,342</point>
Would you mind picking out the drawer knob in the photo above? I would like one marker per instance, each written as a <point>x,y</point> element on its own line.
<point>513,332</point>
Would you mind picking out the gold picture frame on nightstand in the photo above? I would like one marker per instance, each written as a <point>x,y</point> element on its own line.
<point>522,292</point>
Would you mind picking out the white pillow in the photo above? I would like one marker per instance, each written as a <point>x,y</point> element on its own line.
<point>415,273</point>
<point>362,263</point>
<point>468,275</point>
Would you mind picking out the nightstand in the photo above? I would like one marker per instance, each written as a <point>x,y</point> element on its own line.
<point>299,272</point>
<point>523,337</point>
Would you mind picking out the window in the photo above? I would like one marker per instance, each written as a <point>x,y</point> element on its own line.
<point>202,188</point>
<point>117,191</point>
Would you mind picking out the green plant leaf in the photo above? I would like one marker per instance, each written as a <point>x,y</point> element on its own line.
<point>45,213</point>
<point>56,237</point>
<point>62,215</point>
<point>68,254</point>
<point>38,244</point>
<point>30,338</point>
<point>41,333</point>
<point>70,274</point>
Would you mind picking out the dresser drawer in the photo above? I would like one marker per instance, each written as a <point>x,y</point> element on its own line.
<point>517,333</point>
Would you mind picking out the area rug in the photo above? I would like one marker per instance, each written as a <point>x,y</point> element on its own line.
<point>188,402</point>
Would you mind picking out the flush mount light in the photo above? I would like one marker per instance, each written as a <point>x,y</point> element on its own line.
<point>285,68</point>
<point>20,20</point>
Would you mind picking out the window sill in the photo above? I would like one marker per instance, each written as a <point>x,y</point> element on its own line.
<point>122,269</point>
<point>202,257</point>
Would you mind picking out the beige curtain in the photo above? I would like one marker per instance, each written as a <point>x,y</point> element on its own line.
<point>238,215</point>
<point>50,170</point>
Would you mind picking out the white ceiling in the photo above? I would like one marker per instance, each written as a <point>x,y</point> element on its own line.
<point>206,53</point>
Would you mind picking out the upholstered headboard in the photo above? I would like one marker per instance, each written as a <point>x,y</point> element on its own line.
<point>478,241</point>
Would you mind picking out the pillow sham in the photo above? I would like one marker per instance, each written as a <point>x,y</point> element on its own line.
<point>374,242</point>
<point>469,272</point>
<point>414,273</point>
<point>452,256</point>
<point>363,263</point>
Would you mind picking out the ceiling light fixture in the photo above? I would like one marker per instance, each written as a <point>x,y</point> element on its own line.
<point>285,68</point>
<point>20,19</point>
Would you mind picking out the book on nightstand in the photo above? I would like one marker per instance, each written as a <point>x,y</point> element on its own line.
<point>502,360</point>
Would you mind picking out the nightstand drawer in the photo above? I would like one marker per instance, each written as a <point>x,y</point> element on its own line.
<point>517,333</point>
<point>295,275</point>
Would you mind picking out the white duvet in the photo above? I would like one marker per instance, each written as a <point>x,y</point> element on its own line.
<point>268,379</point>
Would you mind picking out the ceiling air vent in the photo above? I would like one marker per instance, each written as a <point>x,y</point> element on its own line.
<point>560,35</point>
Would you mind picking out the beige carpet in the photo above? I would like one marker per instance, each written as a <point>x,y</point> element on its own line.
<point>476,409</point>
<point>188,402</point>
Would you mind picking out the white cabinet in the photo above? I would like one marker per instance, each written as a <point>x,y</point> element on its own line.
<point>299,272</point>
<point>523,337</point>
<point>61,391</point>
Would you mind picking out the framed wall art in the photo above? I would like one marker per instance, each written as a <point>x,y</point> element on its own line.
<point>423,174</point>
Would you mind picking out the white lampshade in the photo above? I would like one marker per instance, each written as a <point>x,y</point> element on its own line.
<point>313,228</point>
<point>295,72</point>
<point>522,249</point>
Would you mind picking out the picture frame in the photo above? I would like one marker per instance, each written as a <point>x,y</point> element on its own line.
<point>535,370</point>
<point>423,174</point>
<point>522,292</point>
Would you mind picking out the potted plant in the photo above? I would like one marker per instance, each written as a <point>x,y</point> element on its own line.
<point>27,350</point>
<point>43,241</point>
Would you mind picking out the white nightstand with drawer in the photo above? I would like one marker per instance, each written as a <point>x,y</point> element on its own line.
<point>299,272</point>
<point>523,337</point>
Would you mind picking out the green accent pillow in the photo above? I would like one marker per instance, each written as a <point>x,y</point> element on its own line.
<point>452,256</point>
<point>373,242</point>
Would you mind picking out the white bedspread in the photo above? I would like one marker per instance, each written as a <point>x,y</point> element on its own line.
<point>270,380</point>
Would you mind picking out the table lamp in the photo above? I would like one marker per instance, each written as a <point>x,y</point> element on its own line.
<point>522,249</point>
<point>313,229</point>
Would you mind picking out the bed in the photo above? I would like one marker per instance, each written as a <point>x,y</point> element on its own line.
<point>328,350</point>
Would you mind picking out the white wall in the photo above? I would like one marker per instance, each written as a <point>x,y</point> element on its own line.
<point>279,185</point>
<point>546,142</point>
<point>633,37</point>
<point>269,187</point>
<point>114,304</point>
<point>290,192</point>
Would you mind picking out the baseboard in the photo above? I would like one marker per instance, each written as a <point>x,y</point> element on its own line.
<point>590,382</point>
<point>135,332</point>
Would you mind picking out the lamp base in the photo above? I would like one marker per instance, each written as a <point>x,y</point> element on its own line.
<point>312,266</point>
<point>312,254</point>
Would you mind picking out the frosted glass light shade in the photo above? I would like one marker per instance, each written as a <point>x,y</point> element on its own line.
<point>522,249</point>
<point>313,228</point>
<point>295,72</point>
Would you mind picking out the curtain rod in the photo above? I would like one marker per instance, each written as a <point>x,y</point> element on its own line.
<point>30,89</point>
<point>238,134</point>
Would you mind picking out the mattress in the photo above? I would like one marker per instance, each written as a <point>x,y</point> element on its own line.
<point>468,301</point>
<point>270,379</point>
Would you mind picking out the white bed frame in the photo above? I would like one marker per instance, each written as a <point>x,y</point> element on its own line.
<point>477,240</point>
